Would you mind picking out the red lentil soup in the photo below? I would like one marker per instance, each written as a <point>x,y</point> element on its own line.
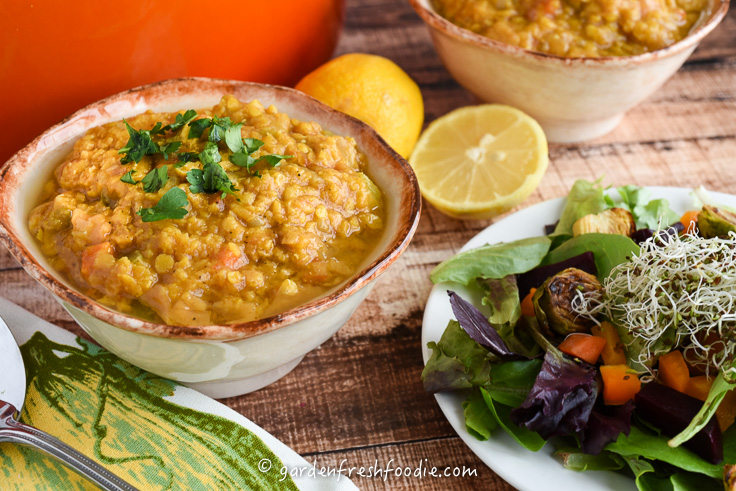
<point>283,237</point>
<point>577,28</point>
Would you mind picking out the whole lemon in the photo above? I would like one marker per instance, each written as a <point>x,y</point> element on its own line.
<point>375,90</point>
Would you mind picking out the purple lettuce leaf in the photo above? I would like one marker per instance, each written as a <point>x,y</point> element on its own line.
<point>479,329</point>
<point>605,424</point>
<point>561,399</point>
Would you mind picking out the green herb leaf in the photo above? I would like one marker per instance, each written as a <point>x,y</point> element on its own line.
<point>492,261</point>
<point>181,120</point>
<point>210,154</point>
<point>273,159</point>
<point>219,128</point>
<point>242,159</point>
<point>157,129</point>
<point>195,177</point>
<point>155,179</point>
<point>170,148</point>
<point>252,144</point>
<point>139,145</point>
<point>197,127</point>
<point>211,179</point>
<point>171,205</point>
<point>183,158</point>
<point>128,177</point>
<point>233,138</point>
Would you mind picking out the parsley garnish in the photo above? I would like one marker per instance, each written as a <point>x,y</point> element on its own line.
<point>210,154</point>
<point>219,128</point>
<point>128,178</point>
<point>171,205</point>
<point>242,149</point>
<point>197,127</point>
<point>181,120</point>
<point>185,157</point>
<point>212,178</point>
<point>139,144</point>
<point>155,179</point>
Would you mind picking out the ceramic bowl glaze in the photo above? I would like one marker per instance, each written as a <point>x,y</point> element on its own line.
<point>222,360</point>
<point>574,99</point>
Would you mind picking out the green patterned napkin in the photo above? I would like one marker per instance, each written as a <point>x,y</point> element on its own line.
<point>148,430</point>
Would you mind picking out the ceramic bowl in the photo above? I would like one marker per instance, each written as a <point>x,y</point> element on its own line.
<point>224,360</point>
<point>574,99</point>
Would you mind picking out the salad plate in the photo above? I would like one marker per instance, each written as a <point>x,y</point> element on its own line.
<point>520,467</point>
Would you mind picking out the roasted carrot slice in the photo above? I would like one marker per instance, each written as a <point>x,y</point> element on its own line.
<point>698,387</point>
<point>583,346</point>
<point>690,219</point>
<point>673,371</point>
<point>726,412</point>
<point>620,384</point>
<point>613,352</point>
<point>527,307</point>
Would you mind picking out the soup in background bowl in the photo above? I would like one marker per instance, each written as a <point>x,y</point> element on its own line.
<point>221,359</point>
<point>573,98</point>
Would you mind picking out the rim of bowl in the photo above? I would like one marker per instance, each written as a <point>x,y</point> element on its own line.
<point>718,9</point>
<point>409,207</point>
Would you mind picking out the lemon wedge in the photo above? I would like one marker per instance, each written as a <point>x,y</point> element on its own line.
<point>480,161</point>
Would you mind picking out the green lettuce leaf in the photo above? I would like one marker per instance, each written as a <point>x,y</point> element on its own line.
<point>654,447</point>
<point>526,438</point>
<point>716,394</point>
<point>648,213</point>
<point>511,381</point>
<point>502,299</point>
<point>650,478</point>
<point>609,250</point>
<point>583,199</point>
<point>479,420</point>
<point>457,362</point>
<point>492,261</point>
<point>574,459</point>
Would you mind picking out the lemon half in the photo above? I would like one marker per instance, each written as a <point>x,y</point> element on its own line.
<point>480,161</point>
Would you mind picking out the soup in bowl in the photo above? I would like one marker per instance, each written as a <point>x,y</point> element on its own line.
<point>209,231</point>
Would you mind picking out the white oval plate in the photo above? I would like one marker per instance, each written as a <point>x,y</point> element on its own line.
<point>525,470</point>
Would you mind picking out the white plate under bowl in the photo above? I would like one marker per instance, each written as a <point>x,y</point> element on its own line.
<point>523,469</point>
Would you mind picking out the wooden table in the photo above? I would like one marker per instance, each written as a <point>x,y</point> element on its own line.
<point>359,397</point>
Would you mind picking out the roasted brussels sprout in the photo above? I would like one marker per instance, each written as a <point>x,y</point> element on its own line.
<point>716,222</point>
<point>612,221</point>
<point>553,301</point>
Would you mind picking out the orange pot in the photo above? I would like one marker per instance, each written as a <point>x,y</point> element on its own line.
<point>57,56</point>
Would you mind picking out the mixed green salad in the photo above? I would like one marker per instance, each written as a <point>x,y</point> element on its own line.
<point>613,335</point>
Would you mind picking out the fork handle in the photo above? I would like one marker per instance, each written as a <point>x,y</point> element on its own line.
<point>12,430</point>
